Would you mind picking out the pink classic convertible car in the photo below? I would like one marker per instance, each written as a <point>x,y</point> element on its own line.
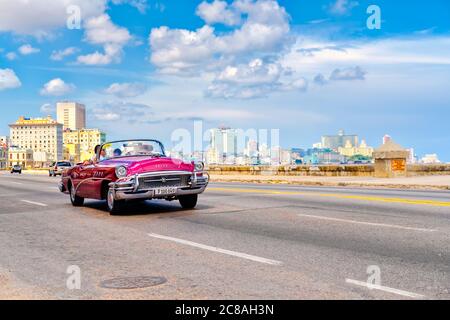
<point>134,169</point>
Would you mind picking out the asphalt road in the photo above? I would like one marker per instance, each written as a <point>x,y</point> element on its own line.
<point>241,242</point>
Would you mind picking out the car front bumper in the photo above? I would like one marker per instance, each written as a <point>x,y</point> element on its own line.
<point>129,190</point>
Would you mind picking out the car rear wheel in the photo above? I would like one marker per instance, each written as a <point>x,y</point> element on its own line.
<point>114,206</point>
<point>76,200</point>
<point>188,201</point>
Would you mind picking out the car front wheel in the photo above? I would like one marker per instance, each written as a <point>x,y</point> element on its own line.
<point>76,200</point>
<point>188,201</point>
<point>114,206</point>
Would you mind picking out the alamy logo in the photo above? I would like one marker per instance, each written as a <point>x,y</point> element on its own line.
<point>374,279</point>
<point>74,17</point>
<point>374,20</point>
<point>74,280</point>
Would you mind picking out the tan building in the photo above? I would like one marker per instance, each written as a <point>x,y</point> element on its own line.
<point>20,156</point>
<point>44,136</point>
<point>71,114</point>
<point>349,150</point>
<point>79,144</point>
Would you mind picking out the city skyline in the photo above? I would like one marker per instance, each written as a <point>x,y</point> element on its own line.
<point>317,69</point>
<point>347,141</point>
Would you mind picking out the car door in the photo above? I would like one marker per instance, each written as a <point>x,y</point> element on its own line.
<point>81,177</point>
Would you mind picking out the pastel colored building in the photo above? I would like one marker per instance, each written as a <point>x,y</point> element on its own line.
<point>41,135</point>
<point>71,114</point>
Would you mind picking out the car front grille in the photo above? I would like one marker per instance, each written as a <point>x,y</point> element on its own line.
<point>162,181</point>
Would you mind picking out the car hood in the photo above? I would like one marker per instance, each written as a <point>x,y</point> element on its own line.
<point>137,165</point>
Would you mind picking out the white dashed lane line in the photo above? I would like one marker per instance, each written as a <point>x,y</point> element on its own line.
<point>385,289</point>
<point>218,250</point>
<point>35,203</point>
<point>373,224</point>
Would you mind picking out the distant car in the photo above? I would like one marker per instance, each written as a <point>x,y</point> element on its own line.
<point>57,168</point>
<point>134,170</point>
<point>16,168</point>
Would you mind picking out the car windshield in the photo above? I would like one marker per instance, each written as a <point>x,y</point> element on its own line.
<point>63,164</point>
<point>131,148</point>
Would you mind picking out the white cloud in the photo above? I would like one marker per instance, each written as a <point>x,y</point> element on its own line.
<point>325,56</point>
<point>264,31</point>
<point>40,18</point>
<point>141,5</point>
<point>8,79</point>
<point>342,7</point>
<point>126,90</point>
<point>56,87</point>
<point>352,73</point>
<point>218,11</point>
<point>61,54</point>
<point>253,80</point>
<point>102,31</point>
<point>47,108</point>
<point>119,110</point>
<point>11,56</point>
<point>27,49</point>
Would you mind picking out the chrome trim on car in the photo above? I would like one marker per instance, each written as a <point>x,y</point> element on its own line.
<point>129,189</point>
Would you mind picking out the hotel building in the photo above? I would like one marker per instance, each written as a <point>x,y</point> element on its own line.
<point>44,136</point>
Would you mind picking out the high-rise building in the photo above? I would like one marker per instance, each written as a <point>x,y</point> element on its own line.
<point>335,142</point>
<point>79,144</point>
<point>44,136</point>
<point>71,114</point>
<point>223,145</point>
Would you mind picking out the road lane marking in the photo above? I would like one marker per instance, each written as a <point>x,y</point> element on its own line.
<point>219,250</point>
<point>35,203</point>
<point>13,182</point>
<point>340,196</point>
<point>367,223</point>
<point>386,289</point>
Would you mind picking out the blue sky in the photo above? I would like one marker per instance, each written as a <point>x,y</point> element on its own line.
<point>308,68</point>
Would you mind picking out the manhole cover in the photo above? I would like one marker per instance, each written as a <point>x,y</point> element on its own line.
<point>132,282</point>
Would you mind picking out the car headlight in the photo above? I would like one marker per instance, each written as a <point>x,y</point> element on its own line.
<point>199,166</point>
<point>121,172</point>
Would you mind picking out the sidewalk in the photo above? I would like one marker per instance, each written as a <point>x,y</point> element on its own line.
<point>32,172</point>
<point>419,182</point>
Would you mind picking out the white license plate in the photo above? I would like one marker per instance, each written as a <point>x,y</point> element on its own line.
<point>165,191</point>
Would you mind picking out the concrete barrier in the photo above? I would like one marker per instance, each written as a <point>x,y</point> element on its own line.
<point>324,170</point>
<point>428,169</point>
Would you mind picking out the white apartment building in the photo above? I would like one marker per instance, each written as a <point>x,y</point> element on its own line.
<point>71,114</point>
<point>44,136</point>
